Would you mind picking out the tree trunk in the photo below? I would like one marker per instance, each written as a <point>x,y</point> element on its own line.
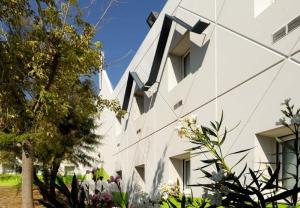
<point>53,174</point>
<point>27,178</point>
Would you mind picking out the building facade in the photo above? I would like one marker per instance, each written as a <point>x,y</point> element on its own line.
<point>203,57</point>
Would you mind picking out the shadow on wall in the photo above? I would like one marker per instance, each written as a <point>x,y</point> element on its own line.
<point>133,187</point>
<point>268,145</point>
<point>158,174</point>
<point>198,54</point>
<point>149,101</point>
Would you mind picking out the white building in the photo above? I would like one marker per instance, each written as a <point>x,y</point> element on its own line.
<point>239,56</point>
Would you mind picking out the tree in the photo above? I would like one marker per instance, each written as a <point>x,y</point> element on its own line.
<point>46,48</point>
<point>74,137</point>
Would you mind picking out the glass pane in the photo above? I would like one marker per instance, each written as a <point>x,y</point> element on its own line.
<point>186,64</point>
<point>187,173</point>
<point>288,164</point>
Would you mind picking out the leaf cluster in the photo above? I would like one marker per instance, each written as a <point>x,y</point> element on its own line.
<point>226,187</point>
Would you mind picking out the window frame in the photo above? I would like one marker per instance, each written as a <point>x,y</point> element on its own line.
<point>186,175</point>
<point>285,138</point>
<point>183,67</point>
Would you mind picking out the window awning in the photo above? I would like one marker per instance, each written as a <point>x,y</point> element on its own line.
<point>281,131</point>
<point>198,28</point>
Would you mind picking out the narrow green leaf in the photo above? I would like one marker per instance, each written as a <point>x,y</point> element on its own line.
<point>207,174</point>
<point>239,176</point>
<point>274,176</point>
<point>74,191</point>
<point>221,121</point>
<point>283,195</point>
<point>210,160</point>
<point>209,131</point>
<point>240,160</point>
<point>193,148</point>
<point>172,204</point>
<point>240,151</point>
<point>223,137</point>
<point>213,125</point>
<point>254,178</point>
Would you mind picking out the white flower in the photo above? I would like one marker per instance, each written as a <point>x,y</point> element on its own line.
<point>280,122</point>
<point>191,119</point>
<point>295,119</point>
<point>181,131</point>
<point>165,196</point>
<point>217,176</point>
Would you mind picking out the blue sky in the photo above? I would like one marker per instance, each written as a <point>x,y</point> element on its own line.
<point>122,31</point>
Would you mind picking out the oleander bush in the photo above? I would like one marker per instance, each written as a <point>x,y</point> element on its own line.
<point>247,188</point>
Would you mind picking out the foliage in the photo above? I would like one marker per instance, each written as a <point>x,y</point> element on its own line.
<point>226,187</point>
<point>102,194</point>
<point>172,197</point>
<point>73,198</point>
<point>67,179</point>
<point>45,52</point>
<point>10,179</point>
<point>121,199</point>
<point>47,102</point>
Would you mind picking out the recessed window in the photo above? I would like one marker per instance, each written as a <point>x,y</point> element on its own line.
<point>180,169</point>
<point>289,162</point>
<point>186,65</point>
<point>186,173</point>
<point>140,170</point>
<point>119,173</point>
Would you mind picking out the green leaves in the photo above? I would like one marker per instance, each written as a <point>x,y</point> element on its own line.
<point>10,140</point>
<point>273,177</point>
<point>240,160</point>
<point>240,151</point>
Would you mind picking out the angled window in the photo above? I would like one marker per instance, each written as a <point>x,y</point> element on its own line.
<point>186,64</point>
<point>119,173</point>
<point>140,170</point>
<point>179,61</point>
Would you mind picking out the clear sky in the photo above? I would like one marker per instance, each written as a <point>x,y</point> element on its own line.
<point>122,31</point>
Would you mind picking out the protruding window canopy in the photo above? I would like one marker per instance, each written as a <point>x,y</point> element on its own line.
<point>198,28</point>
<point>152,18</point>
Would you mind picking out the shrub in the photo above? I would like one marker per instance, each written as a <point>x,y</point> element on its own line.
<point>227,187</point>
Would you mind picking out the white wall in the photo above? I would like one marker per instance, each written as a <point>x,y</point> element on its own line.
<point>237,69</point>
